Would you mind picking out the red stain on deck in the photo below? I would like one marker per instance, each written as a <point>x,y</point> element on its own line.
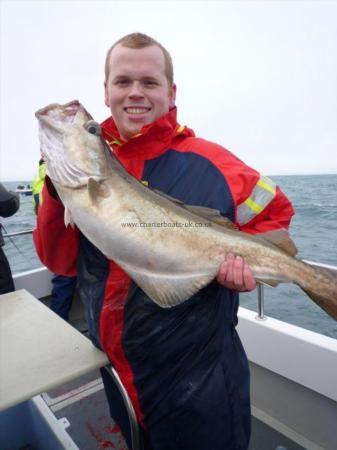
<point>101,442</point>
<point>115,430</point>
<point>107,444</point>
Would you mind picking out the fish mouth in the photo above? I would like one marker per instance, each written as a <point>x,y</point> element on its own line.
<point>56,114</point>
<point>54,121</point>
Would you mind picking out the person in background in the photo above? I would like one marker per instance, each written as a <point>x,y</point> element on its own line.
<point>63,287</point>
<point>37,185</point>
<point>9,205</point>
<point>184,368</point>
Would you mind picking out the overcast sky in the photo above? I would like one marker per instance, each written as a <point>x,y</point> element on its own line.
<point>258,77</point>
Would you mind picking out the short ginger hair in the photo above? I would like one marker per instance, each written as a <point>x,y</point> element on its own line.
<point>140,40</point>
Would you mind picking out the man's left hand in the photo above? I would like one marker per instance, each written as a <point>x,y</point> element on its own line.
<point>236,275</point>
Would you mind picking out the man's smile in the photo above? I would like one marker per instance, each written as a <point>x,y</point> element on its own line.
<point>136,109</point>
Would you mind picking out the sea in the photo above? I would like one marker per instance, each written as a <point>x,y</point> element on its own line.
<point>313,229</point>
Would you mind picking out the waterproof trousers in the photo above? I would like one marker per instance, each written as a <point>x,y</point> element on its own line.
<point>62,295</point>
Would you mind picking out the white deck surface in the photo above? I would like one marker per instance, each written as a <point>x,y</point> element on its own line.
<point>38,350</point>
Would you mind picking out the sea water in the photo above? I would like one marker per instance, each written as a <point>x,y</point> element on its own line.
<point>313,228</point>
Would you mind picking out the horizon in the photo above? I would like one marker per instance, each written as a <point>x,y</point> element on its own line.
<point>268,175</point>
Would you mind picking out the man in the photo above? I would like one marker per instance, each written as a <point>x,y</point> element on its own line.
<point>184,368</point>
<point>9,204</point>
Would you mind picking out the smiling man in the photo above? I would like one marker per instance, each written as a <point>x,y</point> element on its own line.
<point>137,88</point>
<point>184,368</point>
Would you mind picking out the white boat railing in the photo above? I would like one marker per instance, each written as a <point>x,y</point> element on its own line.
<point>260,287</point>
<point>17,233</point>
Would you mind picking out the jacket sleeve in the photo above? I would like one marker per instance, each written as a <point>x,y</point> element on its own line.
<point>277,214</point>
<point>56,245</point>
<point>260,205</point>
<point>9,202</point>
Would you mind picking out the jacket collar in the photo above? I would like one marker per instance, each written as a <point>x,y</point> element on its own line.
<point>151,141</point>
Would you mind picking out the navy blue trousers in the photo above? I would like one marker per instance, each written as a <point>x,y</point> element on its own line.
<point>210,422</point>
<point>62,295</point>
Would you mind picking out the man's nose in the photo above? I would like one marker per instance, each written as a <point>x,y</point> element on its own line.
<point>136,90</point>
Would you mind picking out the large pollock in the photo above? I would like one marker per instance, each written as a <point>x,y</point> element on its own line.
<point>169,249</point>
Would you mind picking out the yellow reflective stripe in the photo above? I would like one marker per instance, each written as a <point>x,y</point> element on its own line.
<point>115,141</point>
<point>262,194</point>
<point>253,206</point>
<point>262,183</point>
<point>146,183</point>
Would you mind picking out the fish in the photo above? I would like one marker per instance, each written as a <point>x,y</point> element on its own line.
<point>169,249</point>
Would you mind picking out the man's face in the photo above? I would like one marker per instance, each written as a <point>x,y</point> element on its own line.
<point>137,90</point>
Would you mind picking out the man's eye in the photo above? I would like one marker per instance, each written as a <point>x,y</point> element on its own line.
<point>122,82</point>
<point>150,83</point>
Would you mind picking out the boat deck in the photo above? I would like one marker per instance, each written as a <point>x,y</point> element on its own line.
<point>84,405</point>
<point>82,402</point>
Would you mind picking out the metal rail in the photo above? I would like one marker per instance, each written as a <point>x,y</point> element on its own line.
<point>134,427</point>
<point>17,233</point>
<point>260,288</point>
<point>260,303</point>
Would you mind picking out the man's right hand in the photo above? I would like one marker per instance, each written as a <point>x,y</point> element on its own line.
<point>236,275</point>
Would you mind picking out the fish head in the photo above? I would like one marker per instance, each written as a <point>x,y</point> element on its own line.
<point>71,145</point>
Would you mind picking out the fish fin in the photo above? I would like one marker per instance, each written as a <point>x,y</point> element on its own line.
<point>96,189</point>
<point>281,239</point>
<point>168,197</point>
<point>213,215</point>
<point>167,291</point>
<point>68,220</point>
<point>327,304</point>
<point>271,283</point>
<point>270,280</point>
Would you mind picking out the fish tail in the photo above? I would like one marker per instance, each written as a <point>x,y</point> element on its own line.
<point>323,289</point>
<point>329,305</point>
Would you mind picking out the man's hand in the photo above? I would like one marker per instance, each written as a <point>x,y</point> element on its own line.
<point>235,274</point>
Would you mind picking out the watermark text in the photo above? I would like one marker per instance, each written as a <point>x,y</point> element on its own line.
<point>164,224</point>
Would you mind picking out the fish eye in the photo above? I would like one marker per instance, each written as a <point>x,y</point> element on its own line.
<point>93,127</point>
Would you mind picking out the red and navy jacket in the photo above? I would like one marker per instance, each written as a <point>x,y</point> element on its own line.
<point>165,356</point>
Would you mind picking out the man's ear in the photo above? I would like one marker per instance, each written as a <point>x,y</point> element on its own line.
<point>172,95</point>
<point>106,95</point>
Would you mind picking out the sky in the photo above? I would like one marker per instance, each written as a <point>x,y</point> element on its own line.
<point>257,77</point>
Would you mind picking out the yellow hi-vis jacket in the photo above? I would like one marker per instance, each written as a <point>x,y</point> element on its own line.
<point>37,186</point>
